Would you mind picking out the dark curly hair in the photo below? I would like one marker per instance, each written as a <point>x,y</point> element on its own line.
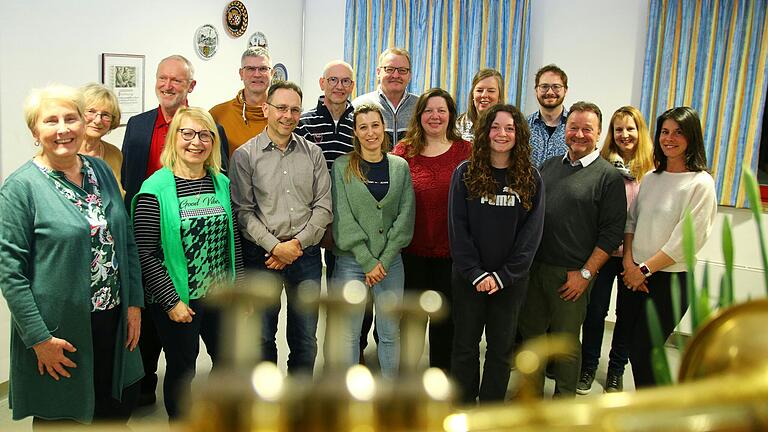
<point>520,172</point>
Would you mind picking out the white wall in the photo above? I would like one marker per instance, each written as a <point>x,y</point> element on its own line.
<point>323,42</point>
<point>53,41</point>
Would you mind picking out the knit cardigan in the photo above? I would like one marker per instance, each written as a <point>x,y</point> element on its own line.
<point>372,231</point>
<point>45,259</point>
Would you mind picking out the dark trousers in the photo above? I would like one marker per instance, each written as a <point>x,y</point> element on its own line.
<point>426,273</point>
<point>181,343</point>
<point>106,408</point>
<point>661,296</point>
<point>301,328</point>
<point>497,314</point>
<point>594,323</point>
<point>150,346</point>
<point>544,309</point>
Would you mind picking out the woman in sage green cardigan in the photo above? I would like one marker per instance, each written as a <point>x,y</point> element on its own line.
<point>70,273</point>
<point>374,211</point>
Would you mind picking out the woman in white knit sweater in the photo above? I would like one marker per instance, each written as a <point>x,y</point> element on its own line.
<point>653,239</point>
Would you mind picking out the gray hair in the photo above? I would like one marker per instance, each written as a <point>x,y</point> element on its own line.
<point>181,58</point>
<point>255,51</point>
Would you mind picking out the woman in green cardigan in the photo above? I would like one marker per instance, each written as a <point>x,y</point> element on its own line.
<point>70,273</point>
<point>374,211</point>
<point>185,232</point>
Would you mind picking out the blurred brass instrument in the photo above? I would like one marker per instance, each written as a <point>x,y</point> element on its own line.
<point>723,386</point>
<point>723,382</point>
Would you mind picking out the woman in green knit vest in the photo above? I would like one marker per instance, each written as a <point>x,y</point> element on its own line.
<point>374,211</point>
<point>185,232</point>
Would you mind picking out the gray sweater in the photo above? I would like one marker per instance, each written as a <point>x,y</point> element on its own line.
<point>586,207</point>
<point>395,121</point>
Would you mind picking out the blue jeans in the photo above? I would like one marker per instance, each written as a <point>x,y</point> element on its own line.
<point>388,327</point>
<point>301,328</point>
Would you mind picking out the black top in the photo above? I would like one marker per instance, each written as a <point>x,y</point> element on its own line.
<point>497,237</point>
<point>378,177</point>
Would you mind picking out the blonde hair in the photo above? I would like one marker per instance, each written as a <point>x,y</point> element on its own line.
<point>395,51</point>
<point>95,95</point>
<point>169,155</point>
<point>641,160</point>
<point>56,93</point>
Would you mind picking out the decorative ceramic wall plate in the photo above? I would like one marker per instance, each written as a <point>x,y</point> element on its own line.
<point>236,18</point>
<point>258,39</point>
<point>281,73</point>
<point>206,41</point>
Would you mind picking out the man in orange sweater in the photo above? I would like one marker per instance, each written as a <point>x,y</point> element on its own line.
<point>242,117</point>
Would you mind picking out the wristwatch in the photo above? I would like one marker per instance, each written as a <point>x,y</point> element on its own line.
<point>645,270</point>
<point>586,274</point>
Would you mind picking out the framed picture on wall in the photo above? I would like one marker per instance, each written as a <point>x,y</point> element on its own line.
<point>124,75</point>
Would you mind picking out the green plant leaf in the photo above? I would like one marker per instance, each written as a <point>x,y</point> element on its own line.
<point>753,193</point>
<point>726,284</point>
<point>659,362</point>
<point>674,285</point>
<point>689,249</point>
<point>704,308</point>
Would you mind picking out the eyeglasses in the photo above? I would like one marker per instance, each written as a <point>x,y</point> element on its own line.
<point>345,82</point>
<point>105,116</point>
<point>260,69</point>
<point>400,70</point>
<point>284,109</point>
<point>205,136</point>
<point>547,87</point>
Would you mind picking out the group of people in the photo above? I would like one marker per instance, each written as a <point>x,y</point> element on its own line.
<point>512,219</point>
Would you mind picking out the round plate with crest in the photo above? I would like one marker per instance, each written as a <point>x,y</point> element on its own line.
<point>206,41</point>
<point>258,39</point>
<point>236,18</point>
<point>281,73</point>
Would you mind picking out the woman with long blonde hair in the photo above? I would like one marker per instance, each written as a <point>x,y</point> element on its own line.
<point>629,148</point>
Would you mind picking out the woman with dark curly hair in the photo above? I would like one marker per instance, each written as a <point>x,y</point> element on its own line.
<point>495,222</point>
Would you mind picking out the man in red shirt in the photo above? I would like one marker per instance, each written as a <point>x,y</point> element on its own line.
<point>143,142</point>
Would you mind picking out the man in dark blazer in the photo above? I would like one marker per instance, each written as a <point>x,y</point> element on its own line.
<point>143,142</point>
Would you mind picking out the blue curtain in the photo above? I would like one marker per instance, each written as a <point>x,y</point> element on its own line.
<point>449,40</point>
<point>711,55</point>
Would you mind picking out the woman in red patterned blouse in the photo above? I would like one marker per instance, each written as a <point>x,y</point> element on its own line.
<point>433,149</point>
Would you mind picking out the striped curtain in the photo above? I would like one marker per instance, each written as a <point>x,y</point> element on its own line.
<point>711,55</point>
<point>449,40</point>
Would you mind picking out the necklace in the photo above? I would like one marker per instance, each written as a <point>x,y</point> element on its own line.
<point>190,184</point>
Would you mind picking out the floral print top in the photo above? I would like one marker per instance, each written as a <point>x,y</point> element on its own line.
<point>105,282</point>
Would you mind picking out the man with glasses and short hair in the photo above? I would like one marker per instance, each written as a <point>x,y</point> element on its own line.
<point>281,191</point>
<point>548,123</point>
<point>396,103</point>
<point>330,126</point>
<point>242,117</point>
<point>142,145</point>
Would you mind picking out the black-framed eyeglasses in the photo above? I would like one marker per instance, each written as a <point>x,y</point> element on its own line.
<point>260,69</point>
<point>284,109</point>
<point>105,116</point>
<point>547,87</point>
<point>345,82</point>
<point>204,135</point>
<point>400,70</point>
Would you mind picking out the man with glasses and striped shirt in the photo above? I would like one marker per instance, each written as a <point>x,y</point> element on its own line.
<point>548,123</point>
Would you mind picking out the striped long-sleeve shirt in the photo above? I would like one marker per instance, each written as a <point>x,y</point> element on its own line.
<point>334,138</point>
<point>157,282</point>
